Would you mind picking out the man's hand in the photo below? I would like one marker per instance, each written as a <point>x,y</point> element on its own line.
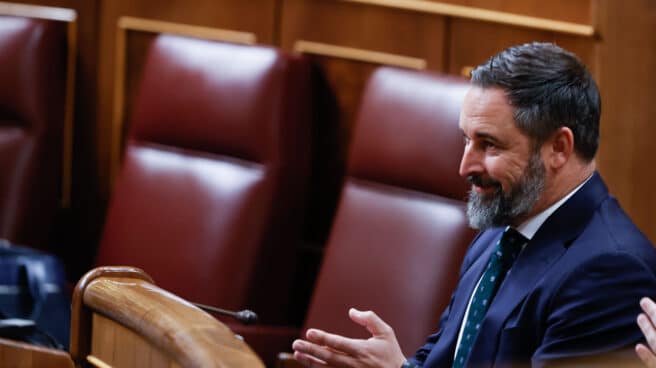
<point>324,349</point>
<point>646,321</point>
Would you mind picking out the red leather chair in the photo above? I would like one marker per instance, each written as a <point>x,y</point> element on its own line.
<point>400,230</point>
<point>32,97</point>
<point>210,196</point>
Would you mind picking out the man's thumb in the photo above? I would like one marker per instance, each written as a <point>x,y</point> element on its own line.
<point>370,321</point>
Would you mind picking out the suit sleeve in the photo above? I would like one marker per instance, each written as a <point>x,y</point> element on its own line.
<point>592,316</point>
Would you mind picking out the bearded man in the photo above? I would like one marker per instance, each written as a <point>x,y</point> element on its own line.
<point>557,271</point>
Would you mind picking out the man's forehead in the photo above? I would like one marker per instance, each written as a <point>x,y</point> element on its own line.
<point>486,110</point>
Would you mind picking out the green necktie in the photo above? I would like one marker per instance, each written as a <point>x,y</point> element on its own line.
<point>507,250</point>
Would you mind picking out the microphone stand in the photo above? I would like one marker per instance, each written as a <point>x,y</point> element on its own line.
<point>246,317</point>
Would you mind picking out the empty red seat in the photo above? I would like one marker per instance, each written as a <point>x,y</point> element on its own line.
<point>400,230</point>
<point>210,197</point>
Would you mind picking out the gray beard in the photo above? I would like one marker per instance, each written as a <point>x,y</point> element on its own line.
<point>502,209</point>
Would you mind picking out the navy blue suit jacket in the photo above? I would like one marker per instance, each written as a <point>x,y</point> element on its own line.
<point>573,291</point>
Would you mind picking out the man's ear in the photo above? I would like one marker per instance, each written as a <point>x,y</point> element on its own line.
<point>559,148</point>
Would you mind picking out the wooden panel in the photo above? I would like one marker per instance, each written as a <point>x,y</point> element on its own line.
<point>365,27</point>
<point>364,37</point>
<point>255,16</point>
<point>81,315</point>
<point>484,15</point>
<point>102,340</point>
<point>346,80</point>
<point>628,87</point>
<point>577,11</point>
<point>128,350</point>
<point>125,296</point>
<point>490,39</point>
<point>21,355</point>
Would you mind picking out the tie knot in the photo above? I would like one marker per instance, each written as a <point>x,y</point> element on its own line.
<point>511,244</point>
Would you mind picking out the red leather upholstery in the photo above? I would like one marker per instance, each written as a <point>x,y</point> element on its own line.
<point>32,94</point>
<point>210,196</point>
<point>400,231</point>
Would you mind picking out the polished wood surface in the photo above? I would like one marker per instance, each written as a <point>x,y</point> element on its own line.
<point>117,346</point>
<point>628,89</point>
<point>367,56</point>
<point>486,15</point>
<point>579,11</point>
<point>81,315</point>
<point>491,38</point>
<point>15,354</point>
<point>121,318</point>
<point>366,28</point>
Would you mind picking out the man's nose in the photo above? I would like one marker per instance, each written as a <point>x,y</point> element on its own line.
<point>471,162</point>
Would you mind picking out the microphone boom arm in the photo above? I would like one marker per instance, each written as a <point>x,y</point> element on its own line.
<point>246,316</point>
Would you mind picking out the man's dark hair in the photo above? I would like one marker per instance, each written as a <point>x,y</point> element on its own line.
<point>548,88</point>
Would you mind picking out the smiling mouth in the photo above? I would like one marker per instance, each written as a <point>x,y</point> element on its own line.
<point>484,189</point>
<point>483,186</point>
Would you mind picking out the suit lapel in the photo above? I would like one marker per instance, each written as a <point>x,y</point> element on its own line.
<point>542,252</point>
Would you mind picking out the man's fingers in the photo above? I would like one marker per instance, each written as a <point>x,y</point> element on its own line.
<point>646,355</point>
<point>315,355</point>
<point>335,342</point>
<point>649,307</point>
<point>648,330</point>
<point>309,361</point>
<point>370,320</point>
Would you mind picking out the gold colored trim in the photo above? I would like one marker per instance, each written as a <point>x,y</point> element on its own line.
<point>96,362</point>
<point>307,47</point>
<point>152,26</point>
<point>158,26</point>
<point>468,12</point>
<point>38,11</point>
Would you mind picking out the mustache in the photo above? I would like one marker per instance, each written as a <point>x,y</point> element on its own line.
<point>480,181</point>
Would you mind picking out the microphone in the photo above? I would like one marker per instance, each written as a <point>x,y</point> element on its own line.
<point>246,317</point>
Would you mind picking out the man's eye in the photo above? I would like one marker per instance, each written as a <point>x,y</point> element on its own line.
<point>488,144</point>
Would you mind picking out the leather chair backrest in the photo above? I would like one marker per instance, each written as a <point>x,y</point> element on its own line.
<point>400,231</point>
<point>210,196</point>
<point>32,96</point>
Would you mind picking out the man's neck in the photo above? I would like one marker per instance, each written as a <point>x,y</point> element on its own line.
<point>558,186</point>
<point>530,226</point>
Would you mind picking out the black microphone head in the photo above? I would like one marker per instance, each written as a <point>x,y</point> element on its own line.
<point>247,317</point>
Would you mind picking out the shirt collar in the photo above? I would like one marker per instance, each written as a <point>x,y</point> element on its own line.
<point>531,226</point>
